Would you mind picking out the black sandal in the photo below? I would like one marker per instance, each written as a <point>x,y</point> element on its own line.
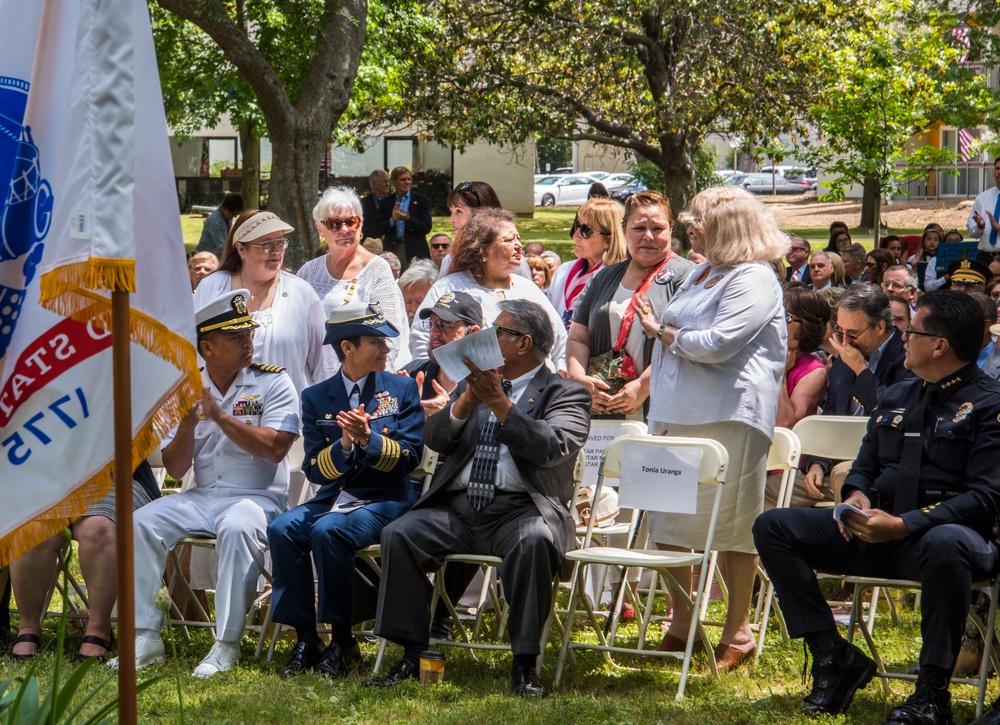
<point>107,644</point>
<point>34,639</point>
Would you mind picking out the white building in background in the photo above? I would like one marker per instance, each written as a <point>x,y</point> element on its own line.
<point>208,163</point>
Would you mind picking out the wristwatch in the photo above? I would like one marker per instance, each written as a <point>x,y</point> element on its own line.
<point>659,333</point>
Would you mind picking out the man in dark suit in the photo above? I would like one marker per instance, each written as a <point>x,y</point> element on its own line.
<point>376,210</point>
<point>515,510</point>
<point>798,261</point>
<point>870,356</point>
<point>362,439</point>
<point>409,219</point>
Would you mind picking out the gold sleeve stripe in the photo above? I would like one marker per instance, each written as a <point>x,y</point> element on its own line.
<point>381,458</point>
<point>390,455</point>
<point>325,464</point>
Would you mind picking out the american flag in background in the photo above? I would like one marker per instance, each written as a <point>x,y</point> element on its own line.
<point>961,34</point>
<point>965,141</point>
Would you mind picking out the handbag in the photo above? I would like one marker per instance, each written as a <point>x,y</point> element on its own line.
<point>610,367</point>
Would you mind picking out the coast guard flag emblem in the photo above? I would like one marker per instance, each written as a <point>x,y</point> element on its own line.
<point>89,207</point>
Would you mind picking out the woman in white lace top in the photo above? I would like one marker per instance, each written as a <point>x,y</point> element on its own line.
<point>349,273</point>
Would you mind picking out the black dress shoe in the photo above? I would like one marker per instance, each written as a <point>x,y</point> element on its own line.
<point>338,661</point>
<point>400,671</point>
<point>441,628</point>
<point>305,656</point>
<point>990,717</point>
<point>928,705</point>
<point>524,681</point>
<point>838,672</point>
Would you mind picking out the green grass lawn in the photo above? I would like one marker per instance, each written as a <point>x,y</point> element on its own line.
<point>475,689</point>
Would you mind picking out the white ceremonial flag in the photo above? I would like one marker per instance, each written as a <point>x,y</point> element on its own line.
<point>89,208</point>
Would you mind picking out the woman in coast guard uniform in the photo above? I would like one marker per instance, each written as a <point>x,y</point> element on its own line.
<point>362,430</point>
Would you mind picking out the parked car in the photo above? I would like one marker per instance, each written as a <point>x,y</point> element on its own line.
<point>805,177</point>
<point>623,193</point>
<point>766,184</point>
<point>617,181</point>
<point>569,190</point>
<point>726,173</point>
<point>563,170</point>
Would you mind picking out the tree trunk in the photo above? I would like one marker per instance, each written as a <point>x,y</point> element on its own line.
<point>293,187</point>
<point>250,149</point>
<point>870,205</point>
<point>677,164</point>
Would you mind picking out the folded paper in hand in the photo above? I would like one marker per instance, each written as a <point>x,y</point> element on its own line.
<point>480,347</point>
<point>843,509</point>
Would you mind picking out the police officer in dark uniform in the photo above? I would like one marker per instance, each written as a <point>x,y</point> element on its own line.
<point>925,478</point>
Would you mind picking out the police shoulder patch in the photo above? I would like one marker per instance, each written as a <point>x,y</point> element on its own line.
<point>267,368</point>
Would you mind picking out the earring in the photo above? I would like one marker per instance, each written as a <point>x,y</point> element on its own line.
<point>484,259</point>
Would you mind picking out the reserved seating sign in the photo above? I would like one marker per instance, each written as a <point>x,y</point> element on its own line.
<point>657,478</point>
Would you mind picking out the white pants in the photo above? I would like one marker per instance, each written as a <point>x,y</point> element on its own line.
<point>239,523</point>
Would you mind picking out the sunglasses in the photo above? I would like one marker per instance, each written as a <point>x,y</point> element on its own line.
<point>509,331</point>
<point>850,334</point>
<point>464,186</point>
<point>352,223</point>
<point>587,231</point>
<point>790,318</point>
<point>440,246</point>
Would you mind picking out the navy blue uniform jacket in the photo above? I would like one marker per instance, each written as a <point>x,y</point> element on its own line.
<point>380,473</point>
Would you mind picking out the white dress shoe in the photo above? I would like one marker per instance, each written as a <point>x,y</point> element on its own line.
<point>221,658</point>
<point>147,652</point>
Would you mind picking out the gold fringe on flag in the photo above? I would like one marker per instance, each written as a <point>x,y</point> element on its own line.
<point>62,294</point>
<point>97,273</point>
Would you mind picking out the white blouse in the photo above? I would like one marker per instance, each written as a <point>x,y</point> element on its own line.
<point>727,360</point>
<point>374,285</point>
<point>291,330</point>
<point>490,299</point>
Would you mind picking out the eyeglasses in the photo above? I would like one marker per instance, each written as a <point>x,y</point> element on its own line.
<point>435,324</point>
<point>509,331</point>
<point>268,247</point>
<point>799,249</point>
<point>352,223</point>
<point>790,318</point>
<point>440,246</point>
<point>850,334</point>
<point>910,331</point>
<point>890,285</point>
<point>586,231</point>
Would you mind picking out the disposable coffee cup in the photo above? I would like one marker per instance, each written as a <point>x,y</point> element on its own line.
<point>431,667</point>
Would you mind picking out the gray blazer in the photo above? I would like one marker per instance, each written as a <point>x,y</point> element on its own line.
<point>544,432</point>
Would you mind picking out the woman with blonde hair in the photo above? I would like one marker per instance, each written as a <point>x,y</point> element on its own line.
<point>541,275</point>
<point>599,240</point>
<point>716,373</point>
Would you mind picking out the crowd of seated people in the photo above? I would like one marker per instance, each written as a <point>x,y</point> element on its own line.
<point>752,330</point>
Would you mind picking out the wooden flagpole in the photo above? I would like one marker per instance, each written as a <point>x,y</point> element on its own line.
<point>122,380</point>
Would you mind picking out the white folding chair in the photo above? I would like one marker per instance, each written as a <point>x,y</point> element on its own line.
<point>837,437</point>
<point>783,456</point>
<point>986,630</point>
<point>712,472</point>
